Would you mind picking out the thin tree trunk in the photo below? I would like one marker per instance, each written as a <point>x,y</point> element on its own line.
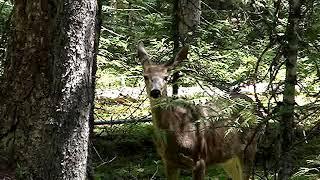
<point>176,42</point>
<point>90,171</point>
<point>287,110</point>
<point>46,92</point>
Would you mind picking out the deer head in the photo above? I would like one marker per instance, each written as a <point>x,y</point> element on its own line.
<point>156,75</point>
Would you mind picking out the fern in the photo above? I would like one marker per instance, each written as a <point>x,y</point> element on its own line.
<point>237,113</point>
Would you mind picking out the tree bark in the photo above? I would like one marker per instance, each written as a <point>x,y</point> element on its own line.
<point>186,19</point>
<point>176,43</point>
<point>46,91</point>
<point>90,171</point>
<point>287,109</point>
<point>189,12</point>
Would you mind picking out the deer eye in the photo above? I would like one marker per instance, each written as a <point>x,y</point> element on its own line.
<point>146,78</point>
<point>166,78</point>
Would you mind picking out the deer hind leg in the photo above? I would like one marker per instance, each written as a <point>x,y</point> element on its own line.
<point>172,172</point>
<point>233,168</point>
<point>199,170</point>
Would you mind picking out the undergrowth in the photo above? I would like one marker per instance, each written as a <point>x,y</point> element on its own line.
<point>127,152</point>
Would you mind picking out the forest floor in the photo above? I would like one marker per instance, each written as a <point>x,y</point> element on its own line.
<point>7,174</point>
<point>127,152</point>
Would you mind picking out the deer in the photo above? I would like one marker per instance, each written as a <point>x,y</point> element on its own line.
<point>184,142</point>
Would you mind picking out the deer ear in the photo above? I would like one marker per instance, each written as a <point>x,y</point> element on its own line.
<point>181,55</point>
<point>142,54</point>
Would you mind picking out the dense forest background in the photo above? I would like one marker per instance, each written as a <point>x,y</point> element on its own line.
<point>266,50</point>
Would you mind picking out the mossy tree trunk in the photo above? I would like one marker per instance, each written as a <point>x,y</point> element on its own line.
<point>46,90</point>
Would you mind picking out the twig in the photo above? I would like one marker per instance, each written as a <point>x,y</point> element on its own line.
<point>124,9</point>
<point>259,103</point>
<point>154,174</point>
<point>107,162</point>
<point>95,150</point>
<point>128,108</point>
<point>122,121</point>
<point>112,32</point>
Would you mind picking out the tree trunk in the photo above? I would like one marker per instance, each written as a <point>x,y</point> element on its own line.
<point>46,90</point>
<point>287,109</point>
<point>186,19</point>
<point>189,12</point>
<point>98,23</point>
<point>176,42</point>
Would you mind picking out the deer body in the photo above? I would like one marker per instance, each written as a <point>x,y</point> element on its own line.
<point>182,140</point>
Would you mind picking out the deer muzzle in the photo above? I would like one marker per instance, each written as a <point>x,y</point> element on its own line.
<point>155,93</point>
<point>156,88</point>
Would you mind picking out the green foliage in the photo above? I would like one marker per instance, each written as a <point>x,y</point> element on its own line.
<point>121,107</point>
<point>23,173</point>
<point>5,10</point>
<point>132,155</point>
<point>124,24</point>
<point>5,13</point>
<point>132,148</point>
<point>234,112</point>
<point>170,103</point>
<point>308,159</point>
<point>312,171</point>
<point>238,43</point>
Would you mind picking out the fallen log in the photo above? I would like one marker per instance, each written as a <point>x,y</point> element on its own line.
<point>121,121</point>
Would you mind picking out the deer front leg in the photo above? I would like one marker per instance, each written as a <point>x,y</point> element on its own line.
<point>199,170</point>
<point>172,172</point>
<point>233,168</point>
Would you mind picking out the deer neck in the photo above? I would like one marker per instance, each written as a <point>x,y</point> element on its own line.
<point>157,110</point>
<point>155,107</point>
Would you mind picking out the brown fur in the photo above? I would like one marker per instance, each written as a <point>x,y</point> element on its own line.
<point>184,141</point>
